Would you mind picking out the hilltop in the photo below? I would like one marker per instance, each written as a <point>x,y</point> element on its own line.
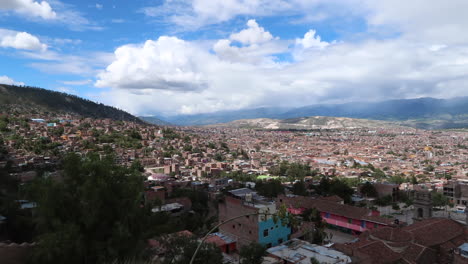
<point>307,123</point>
<point>32,99</point>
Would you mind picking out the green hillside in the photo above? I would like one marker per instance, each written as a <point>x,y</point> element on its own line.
<point>23,98</point>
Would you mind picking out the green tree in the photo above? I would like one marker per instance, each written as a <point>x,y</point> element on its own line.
<point>299,188</point>
<point>270,188</point>
<point>368,190</point>
<point>252,253</point>
<point>180,248</point>
<point>314,261</point>
<point>438,199</point>
<point>94,215</point>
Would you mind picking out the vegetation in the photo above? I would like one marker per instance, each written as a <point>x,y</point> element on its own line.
<point>180,249</point>
<point>292,170</point>
<point>299,188</point>
<point>252,253</point>
<point>52,101</point>
<point>335,187</point>
<point>270,188</point>
<point>94,215</point>
<point>438,199</point>
<point>368,189</point>
<point>318,235</point>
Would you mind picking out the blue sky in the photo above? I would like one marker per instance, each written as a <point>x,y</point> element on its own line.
<point>166,57</point>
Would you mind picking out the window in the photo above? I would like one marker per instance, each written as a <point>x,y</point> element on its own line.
<point>327,215</point>
<point>376,225</point>
<point>250,232</point>
<point>265,232</point>
<point>363,223</point>
<point>233,226</point>
<point>280,241</point>
<point>268,245</point>
<point>239,224</point>
<point>350,221</point>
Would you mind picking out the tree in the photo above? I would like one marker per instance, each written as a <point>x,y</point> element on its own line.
<point>180,248</point>
<point>270,188</point>
<point>438,199</point>
<point>299,188</point>
<point>342,190</point>
<point>94,215</point>
<point>252,253</point>
<point>368,190</point>
<point>314,261</point>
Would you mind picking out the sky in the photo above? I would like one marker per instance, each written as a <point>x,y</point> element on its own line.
<point>169,57</point>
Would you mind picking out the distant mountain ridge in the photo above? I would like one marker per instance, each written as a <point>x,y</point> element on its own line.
<point>307,123</point>
<point>47,100</point>
<point>155,121</point>
<point>427,113</point>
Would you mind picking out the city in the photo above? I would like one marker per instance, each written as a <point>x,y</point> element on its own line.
<point>233,132</point>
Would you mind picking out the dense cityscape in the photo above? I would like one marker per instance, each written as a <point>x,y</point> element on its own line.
<point>233,132</point>
<point>331,195</point>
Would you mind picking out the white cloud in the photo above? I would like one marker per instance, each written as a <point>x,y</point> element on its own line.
<point>311,40</point>
<point>77,82</point>
<point>197,13</point>
<point>176,76</point>
<point>418,19</point>
<point>67,90</point>
<point>29,8</point>
<point>7,80</point>
<point>20,40</point>
<point>167,63</point>
<point>99,6</point>
<point>258,46</point>
<point>52,11</point>
<point>254,34</point>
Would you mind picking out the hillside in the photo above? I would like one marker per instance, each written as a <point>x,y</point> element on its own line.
<point>307,123</point>
<point>33,99</point>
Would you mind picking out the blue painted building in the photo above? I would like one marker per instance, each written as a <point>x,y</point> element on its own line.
<point>271,234</point>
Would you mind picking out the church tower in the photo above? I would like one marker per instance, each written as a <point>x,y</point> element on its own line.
<point>422,205</point>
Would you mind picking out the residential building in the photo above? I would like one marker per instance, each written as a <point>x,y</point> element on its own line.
<point>258,224</point>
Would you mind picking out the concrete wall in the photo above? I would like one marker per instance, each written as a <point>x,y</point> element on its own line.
<point>244,229</point>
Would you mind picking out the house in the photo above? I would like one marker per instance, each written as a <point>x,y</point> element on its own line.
<point>297,251</point>
<point>257,225</point>
<point>347,218</point>
<point>433,240</point>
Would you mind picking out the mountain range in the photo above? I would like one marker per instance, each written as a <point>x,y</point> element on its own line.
<point>307,123</point>
<point>427,113</point>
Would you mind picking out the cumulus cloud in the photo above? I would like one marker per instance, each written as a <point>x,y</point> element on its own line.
<point>167,63</point>
<point>20,40</point>
<point>254,34</point>
<point>257,46</point>
<point>7,80</point>
<point>311,40</point>
<point>29,8</point>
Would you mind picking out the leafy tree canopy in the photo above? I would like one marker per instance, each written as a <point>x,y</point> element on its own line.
<point>95,214</point>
